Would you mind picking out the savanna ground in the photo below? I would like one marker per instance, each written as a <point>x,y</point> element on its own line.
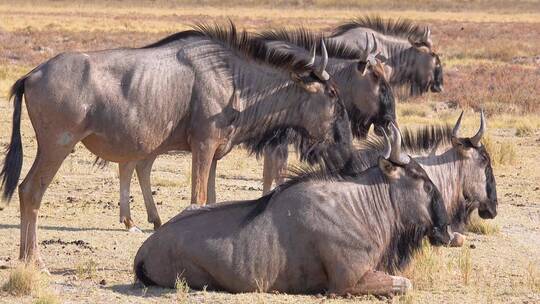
<point>491,55</point>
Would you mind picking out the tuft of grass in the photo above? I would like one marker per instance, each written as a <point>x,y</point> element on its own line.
<point>182,289</point>
<point>23,281</point>
<point>501,153</point>
<point>533,277</point>
<point>86,270</point>
<point>524,128</point>
<point>465,264</point>
<point>47,298</point>
<point>426,268</point>
<point>481,226</point>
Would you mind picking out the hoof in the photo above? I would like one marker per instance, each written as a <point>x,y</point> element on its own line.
<point>401,285</point>
<point>457,240</point>
<point>135,229</point>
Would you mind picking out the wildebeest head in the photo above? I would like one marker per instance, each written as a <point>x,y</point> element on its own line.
<point>427,72</point>
<point>371,93</point>
<point>322,94</point>
<point>478,180</point>
<point>419,200</point>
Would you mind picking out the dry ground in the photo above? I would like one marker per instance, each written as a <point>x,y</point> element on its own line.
<point>491,60</point>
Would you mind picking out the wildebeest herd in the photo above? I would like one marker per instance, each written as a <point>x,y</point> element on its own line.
<point>344,222</point>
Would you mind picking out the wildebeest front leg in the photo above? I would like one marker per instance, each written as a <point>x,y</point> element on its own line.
<point>201,163</point>
<point>212,183</point>
<point>144,169</point>
<point>379,283</point>
<point>125,171</point>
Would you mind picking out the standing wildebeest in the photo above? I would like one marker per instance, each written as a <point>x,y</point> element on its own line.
<point>203,91</point>
<point>363,88</point>
<point>460,168</point>
<point>407,46</point>
<point>339,231</point>
<point>363,84</point>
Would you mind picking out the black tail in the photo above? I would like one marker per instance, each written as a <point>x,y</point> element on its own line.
<point>140,274</point>
<point>11,171</point>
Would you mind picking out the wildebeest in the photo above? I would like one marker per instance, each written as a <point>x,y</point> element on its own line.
<point>204,91</point>
<point>363,87</point>
<point>363,84</point>
<point>335,231</point>
<point>461,169</point>
<point>407,46</point>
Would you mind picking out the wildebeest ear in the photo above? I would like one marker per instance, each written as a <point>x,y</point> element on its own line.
<point>381,57</point>
<point>387,167</point>
<point>462,147</point>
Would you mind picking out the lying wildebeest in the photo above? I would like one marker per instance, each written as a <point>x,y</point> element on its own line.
<point>363,87</point>
<point>335,231</point>
<point>460,168</point>
<point>203,91</point>
<point>363,84</point>
<point>407,46</point>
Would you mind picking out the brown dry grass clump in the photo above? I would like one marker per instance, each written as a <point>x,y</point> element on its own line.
<point>24,280</point>
<point>498,89</point>
<point>481,226</point>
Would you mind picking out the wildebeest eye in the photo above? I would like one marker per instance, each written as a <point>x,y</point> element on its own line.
<point>428,187</point>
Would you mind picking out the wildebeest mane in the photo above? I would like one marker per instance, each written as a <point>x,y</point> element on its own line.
<point>424,139</point>
<point>403,28</point>
<point>419,140</point>
<point>240,42</point>
<point>305,38</point>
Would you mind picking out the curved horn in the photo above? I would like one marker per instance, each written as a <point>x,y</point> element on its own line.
<point>312,55</point>
<point>396,155</point>
<point>321,72</point>
<point>366,49</point>
<point>475,140</point>
<point>375,47</point>
<point>387,146</point>
<point>457,126</point>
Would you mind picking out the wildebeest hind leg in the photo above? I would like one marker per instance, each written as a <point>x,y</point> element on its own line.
<point>125,172</point>
<point>144,169</point>
<point>380,283</point>
<point>48,160</point>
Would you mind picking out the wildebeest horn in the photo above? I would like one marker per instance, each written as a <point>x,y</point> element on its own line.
<point>387,146</point>
<point>475,140</point>
<point>312,55</point>
<point>395,155</point>
<point>321,72</point>
<point>375,47</point>
<point>458,124</point>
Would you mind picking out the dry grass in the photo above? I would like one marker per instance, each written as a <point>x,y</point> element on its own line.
<point>426,268</point>
<point>524,128</point>
<point>501,152</point>
<point>24,280</point>
<point>465,264</point>
<point>533,277</point>
<point>47,298</point>
<point>481,226</point>
<point>182,289</point>
<point>87,269</point>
